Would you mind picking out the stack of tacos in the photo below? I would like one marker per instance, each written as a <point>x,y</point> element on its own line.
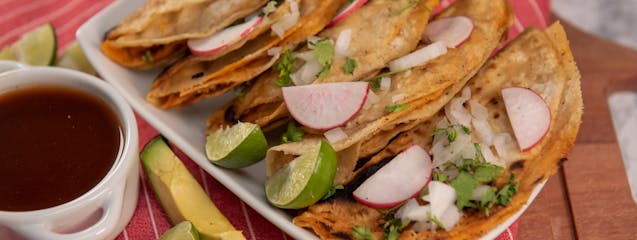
<point>457,94</point>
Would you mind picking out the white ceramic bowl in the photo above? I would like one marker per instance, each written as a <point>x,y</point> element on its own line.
<point>103,211</point>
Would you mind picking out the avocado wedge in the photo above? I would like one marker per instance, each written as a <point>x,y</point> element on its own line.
<point>181,196</point>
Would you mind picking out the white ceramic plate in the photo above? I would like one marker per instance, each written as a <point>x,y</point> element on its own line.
<point>185,126</point>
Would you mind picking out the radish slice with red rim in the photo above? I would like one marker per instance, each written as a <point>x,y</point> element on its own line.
<point>529,115</point>
<point>452,31</point>
<point>325,106</point>
<point>400,179</point>
<point>224,38</point>
<point>345,11</point>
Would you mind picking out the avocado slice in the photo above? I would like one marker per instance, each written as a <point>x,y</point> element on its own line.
<point>180,195</point>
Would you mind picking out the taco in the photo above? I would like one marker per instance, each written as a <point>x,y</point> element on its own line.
<point>156,33</point>
<point>376,33</point>
<point>419,87</point>
<point>196,77</point>
<point>537,60</point>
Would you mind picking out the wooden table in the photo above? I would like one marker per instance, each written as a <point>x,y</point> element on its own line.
<point>590,198</point>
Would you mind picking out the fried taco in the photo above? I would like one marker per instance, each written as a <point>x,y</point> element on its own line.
<point>412,89</point>
<point>477,152</point>
<point>156,34</point>
<point>196,77</point>
<point>370,37</point>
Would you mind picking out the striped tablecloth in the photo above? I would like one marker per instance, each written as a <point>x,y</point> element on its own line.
<point>149,222</point>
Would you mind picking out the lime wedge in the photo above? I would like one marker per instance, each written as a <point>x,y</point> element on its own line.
<point>303,181</point>
<point>37,47</point>
<point>241,145</point>
<point>74,58</point>
<point>182,231</point>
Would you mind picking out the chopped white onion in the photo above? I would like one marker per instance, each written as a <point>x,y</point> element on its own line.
<point>479,192</point>
<point>504,144</point>
<point>385,83</point>
<point>397,98</point>
<point>450,217</point>
<point>411,210</point>
<point>489,156</point>
<point>440,197</point>
<point>478,110</point>
<point>307,73</point>
<point>288,20</point>
<point>305,56</point>
<point>461,148</point>
<point>483,131</point>
<point>456,113</point>
<point>372,99</point>
<point>341,47</point>
<point>275,51</point>
<point>335,135</point>
<point>418,57</point>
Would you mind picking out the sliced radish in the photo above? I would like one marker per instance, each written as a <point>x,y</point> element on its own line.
<point>418,57</point>
<point>346,10</point>
<point>223,39</point>
<point>452,31</point>
<point>403,177</point>
<point>529,115</point>
<point>325,106</point>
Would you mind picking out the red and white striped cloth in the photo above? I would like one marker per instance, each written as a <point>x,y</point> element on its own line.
<point>149,222</point>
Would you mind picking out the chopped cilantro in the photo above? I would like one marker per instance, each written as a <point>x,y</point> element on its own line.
<point>360,232</point>
<point>269,8</point>
<point>451,134</point>
<point>241,93</point>
<point>506,192</point>
<point>293,133</point>
<point>487,172</point>
<point>478,151</point>
<point>464,185</point>
<point>324,52</point>
<point>148,57</point>
<point>402,9</point>
<point>393,228</point>
<point>435,220</point>
<point>397,107</point>
<point>488,200</point>
<point>465,129</point>
<point>349,66</point>
<point>441,177</point>
<point>285,66</point>
<point>332,191</point>
<point>374,82</point>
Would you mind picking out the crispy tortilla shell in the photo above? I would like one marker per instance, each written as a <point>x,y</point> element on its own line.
<point>137,42</point>
<point>424,85</point>
<point>534,59</point>
<point>377,38</point>
<point>177,87</point>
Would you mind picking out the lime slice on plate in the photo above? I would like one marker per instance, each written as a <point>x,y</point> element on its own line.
<point>241,145</point>
<point>74,58</point>
<point>303,181</point>
<point>37,47</point>
<point>182,231</point>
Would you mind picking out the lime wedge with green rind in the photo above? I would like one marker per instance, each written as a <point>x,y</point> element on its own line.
<point>37,47</point>
<point>182,231</point>
<point>238,146</point>
<point>74,58</point>
<point>304,180</point>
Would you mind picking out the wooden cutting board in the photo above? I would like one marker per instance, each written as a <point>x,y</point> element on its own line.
<point>590,198</point>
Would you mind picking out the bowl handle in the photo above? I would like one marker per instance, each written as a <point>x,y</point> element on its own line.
<point>111,211</point>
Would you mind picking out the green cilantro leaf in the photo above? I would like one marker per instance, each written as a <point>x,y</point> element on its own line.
<point>148,57</point>
<point>397,107</point>
<point>487,172</point>
<point>451,134</point>
<point>269,8</point>
<point>506,192</point>
<point>360,232</point>
<point>488,200</point>
<point>323,53</point>
<point>332,191</point>
<point>435,220</point>
<point>393,228</point>
<point>285,66</point>
<point>441,177</point>
<point>464,185</point>
<point>374,82</point>
<point>478,151</point>
<point>292,134</point>
<point>349,66</point>
<point>465,129</point>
